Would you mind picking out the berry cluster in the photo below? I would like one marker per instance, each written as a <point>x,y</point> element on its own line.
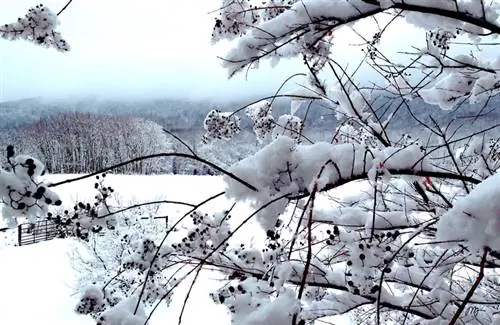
<point>368,259</point>
<point>236,16</point>
<point>245,295</point>
<point>142,257</point>
<point>234,19</point>
<point>220,125</point>
<point>157,287</point>
<point>290,126</point>
<point>91,302</point>
<point>439,39</point>
<point>86,217</point>
<point>207,234</point>
<point>260,114</point>
<point>252,296</point>
<point>37,26</point>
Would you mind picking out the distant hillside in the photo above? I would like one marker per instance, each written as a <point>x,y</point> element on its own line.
<point>185,115</point>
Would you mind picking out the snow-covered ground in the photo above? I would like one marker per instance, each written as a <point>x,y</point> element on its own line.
<point>37,282</point>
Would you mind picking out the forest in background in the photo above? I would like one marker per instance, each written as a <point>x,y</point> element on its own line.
<point>85,135</point>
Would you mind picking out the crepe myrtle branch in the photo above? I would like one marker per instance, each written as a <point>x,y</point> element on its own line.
<point>181,141</point>
<point>135,206</point>
<point>159,155</point>
<point>309,209</point>
<point>435,264</point>
<point>399,172</point>
<point>454,14</point>
<point>199,267</point>
<point>260,274</point>
<point>304,28</point>
<point>205,260</point>
<point>149,273</point>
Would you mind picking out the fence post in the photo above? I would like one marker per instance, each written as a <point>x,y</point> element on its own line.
<point>19,232</point>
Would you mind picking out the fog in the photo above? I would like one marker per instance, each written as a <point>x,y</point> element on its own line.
<point>142,49</point>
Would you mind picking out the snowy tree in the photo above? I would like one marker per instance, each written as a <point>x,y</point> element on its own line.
<point>82,142</point>
<point>416,243</point>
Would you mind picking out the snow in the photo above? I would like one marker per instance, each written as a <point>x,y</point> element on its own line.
<point>36,284</point>
<point>40,276</point>
<point>475,217</point>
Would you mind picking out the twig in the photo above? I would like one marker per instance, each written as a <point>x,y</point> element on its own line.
<point>472,289</point>
<point>64,8</point>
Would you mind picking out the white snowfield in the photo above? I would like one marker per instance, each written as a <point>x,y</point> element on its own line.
<point>36,285</point>
<point>37,281</point>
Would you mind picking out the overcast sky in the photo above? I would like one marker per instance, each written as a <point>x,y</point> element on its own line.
<point>131,48</point>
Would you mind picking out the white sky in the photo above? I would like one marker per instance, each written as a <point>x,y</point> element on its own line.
<point>132,48</point>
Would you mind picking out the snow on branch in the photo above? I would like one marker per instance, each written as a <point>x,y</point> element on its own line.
<point>284,166</point>
<point>300,27</point>
<point>475,217</point>
<point>37,26</point>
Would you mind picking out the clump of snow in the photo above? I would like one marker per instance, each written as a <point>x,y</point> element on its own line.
<point>448,90</point>
<point>277,312</point>
<point>124,314</point>
<point>92,301</point>
<point>474,218</point>
<point>23,189</point>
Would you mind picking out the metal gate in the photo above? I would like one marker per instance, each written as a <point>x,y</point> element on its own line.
<point>31,233</point>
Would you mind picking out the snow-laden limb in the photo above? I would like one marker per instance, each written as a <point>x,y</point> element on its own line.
<point>462,77</point>
<point>298,27</point>
<point>352,103</point>
<point>279,33</point>
<point>37,26</point>
<point>284,167</point>
<point>448,91</point>
<point>479,157</point>
<point>474,218</point>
